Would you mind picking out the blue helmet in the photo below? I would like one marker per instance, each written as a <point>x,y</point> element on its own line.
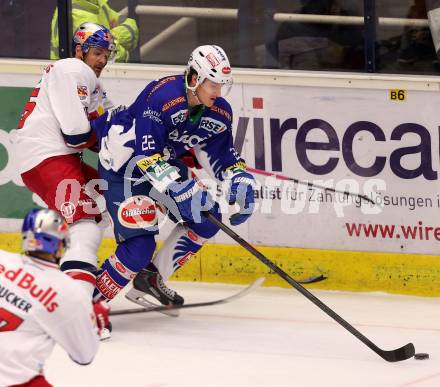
<point>43,231</point>
<point>93,35</point>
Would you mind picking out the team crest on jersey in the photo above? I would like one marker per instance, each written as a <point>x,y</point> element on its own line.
<point>212,125</point>
<point>137,211</point>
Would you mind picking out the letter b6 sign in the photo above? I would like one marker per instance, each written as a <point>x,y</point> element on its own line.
<point>397,95</point>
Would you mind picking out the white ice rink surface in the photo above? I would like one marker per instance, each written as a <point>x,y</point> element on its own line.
<point>273,337</point>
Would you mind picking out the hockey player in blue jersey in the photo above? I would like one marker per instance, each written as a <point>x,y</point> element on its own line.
<point>139,152</point>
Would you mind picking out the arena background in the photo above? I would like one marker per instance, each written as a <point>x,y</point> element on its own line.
<point>376,126</point>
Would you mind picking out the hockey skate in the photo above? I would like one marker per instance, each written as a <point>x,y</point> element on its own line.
<point>106,332</point>
<point>149,282</point>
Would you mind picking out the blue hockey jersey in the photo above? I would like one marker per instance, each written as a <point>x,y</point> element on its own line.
<point>161,122</point>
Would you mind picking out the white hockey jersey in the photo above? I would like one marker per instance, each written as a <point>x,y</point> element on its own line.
<point>40,306</point>
<point>68,94</point>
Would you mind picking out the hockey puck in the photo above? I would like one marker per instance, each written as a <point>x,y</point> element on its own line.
<point>421,356</point>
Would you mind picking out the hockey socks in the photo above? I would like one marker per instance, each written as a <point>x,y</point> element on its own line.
<point>119,269</point>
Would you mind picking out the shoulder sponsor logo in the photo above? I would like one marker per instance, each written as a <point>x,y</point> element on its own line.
<point>212,125</point>
<point>179,116</point>
<point>222,112</point>
<point>160,84</point>
<point>152,115</point>
<point>82,92</point>
<point>137,212</point>
<point>168,105</point>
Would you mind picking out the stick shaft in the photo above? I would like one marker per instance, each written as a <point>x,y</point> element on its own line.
<point>307,183</point>
<point>402,353</point>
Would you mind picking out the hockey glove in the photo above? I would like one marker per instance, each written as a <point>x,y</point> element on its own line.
<point>191,199</point>
<point>241,191</point>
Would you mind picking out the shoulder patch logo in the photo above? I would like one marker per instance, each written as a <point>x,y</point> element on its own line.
<point>168,105</point>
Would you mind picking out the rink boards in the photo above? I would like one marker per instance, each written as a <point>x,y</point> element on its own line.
<point>373,134</point>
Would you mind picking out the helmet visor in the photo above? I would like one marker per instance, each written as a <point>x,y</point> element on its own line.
<point>219,89</point>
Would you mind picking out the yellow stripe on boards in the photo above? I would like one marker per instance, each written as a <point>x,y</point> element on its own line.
<point>410,274</point>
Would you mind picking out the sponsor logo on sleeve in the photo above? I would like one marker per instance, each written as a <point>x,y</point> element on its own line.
<point>82,92</point>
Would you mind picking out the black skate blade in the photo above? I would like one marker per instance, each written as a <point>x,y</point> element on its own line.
<point>137,297</point>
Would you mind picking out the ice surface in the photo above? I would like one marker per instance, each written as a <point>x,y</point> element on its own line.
<point>273,338</point>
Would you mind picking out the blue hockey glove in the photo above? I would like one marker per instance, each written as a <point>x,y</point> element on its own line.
<point>191,199</point>
<point>241,191</point>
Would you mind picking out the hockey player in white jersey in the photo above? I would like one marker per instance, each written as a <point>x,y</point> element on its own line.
<point>41,306</point>
<point>53,130</point>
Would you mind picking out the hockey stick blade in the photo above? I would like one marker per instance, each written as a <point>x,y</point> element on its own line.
<point>399,354</point>
<point>395,355</point>
<point>313,279</point>
<point>161,308</point>
<point>137,297</point>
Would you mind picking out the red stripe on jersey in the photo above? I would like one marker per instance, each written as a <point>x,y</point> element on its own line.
<point>82,276</point>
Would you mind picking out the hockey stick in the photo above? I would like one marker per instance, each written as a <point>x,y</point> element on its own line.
<point>161,308</point>
<point>308,183</point>
<point>399,354</point>
<point>313,279</point>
